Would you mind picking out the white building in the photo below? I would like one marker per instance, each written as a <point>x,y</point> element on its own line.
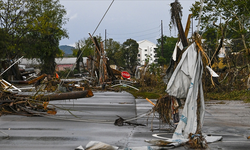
<point>147,50</point>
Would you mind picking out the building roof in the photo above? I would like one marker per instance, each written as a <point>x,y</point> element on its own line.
<point>64,61</point>
<point>59,61</point>
<point>146,41</point>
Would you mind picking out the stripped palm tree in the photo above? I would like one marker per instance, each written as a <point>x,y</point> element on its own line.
<point>176,14</point>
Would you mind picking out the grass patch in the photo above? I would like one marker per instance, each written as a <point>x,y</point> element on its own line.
<point>141,94</point>
<point>149,95</point>
<point>234,95</point>
<point>148,92</point>
<point>151,92</point>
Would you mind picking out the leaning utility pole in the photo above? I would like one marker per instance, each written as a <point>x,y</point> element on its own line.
<point>105,39</point>
<point>161,39</point>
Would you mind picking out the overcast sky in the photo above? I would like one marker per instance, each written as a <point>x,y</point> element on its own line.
<point>136,19</point>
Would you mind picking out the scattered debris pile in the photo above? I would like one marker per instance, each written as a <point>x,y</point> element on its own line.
<point>196,141</point>
<point>35,104</point>
<point>13,104</point>
<point>99,66</point>
<point>162,143</point>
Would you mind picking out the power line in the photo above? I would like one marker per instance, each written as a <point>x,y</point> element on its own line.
<point>139,38</point>
<point>103,17</point>
<point>154,35</point>
<point>125,0</point>
<point>135,36</point>
<point>88,43</point>
<point>135,32</point>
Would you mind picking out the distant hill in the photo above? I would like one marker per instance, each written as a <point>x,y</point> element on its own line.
<point>67,49</point>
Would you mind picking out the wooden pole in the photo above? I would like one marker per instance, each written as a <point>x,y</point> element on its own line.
<point>161,39</point>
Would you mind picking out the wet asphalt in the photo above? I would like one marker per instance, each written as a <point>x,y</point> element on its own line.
<point>80,121</point>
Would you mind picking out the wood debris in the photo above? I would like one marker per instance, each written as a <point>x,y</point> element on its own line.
<point>13,104</point>
<point>20,104</point>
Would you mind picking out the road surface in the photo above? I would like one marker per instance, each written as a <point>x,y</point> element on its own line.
<point>92,119</point>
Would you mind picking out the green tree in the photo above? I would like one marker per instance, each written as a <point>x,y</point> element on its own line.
<point>45,32</point>
<point>129,53</point>
<point>32,28</point>
<point>14,17</point>
<point>168,48</point>
<point>210,36</point>
<point>235,13</point>
<point>86,46</point>
<point>113,49</point>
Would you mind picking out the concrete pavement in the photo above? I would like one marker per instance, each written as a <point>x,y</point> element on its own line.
<point>92,119</point>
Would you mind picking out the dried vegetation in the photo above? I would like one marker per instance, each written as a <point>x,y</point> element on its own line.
<point>233,82</point>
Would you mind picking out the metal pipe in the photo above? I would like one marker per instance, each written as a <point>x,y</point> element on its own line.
<point>10,66</point>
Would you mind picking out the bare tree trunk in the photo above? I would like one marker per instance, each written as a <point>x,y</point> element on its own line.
<point>244,43</point>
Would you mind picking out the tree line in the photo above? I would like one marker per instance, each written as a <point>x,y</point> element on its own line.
<point>125,55</point>
<point>33,28</point>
